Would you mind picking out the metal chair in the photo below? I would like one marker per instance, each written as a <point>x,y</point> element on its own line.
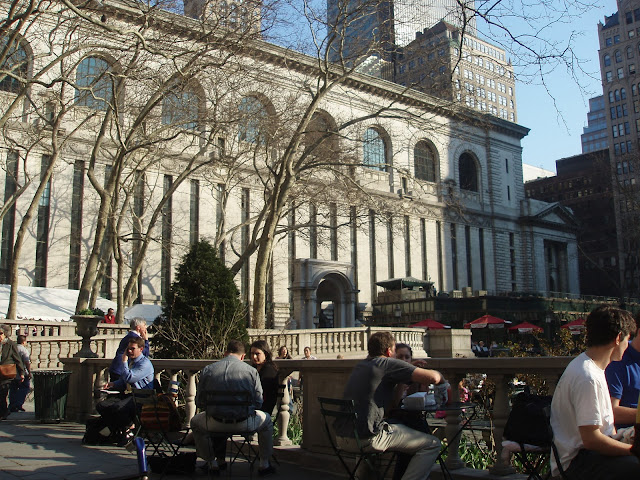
<point>158,423</point>
<point>333,409</point>
<point>241,443</point>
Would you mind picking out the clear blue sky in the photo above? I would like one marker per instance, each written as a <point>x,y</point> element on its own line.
<point>556,117</point>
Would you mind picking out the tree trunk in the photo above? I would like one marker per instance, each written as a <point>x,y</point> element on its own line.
<point>22,231</point>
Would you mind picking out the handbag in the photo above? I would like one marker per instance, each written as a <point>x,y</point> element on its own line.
<point>8,371</point>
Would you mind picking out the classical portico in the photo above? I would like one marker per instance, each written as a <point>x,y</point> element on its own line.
<point>321,282</point>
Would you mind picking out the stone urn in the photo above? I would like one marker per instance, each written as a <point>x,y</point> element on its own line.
<point>86,327</point>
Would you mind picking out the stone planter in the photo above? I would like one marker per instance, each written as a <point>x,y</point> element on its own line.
<point>86,327</point>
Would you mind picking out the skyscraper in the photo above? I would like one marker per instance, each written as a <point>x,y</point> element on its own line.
<point>365,28</point>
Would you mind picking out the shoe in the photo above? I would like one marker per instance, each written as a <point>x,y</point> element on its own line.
<point>263,472</point>
<point>13,409</point>
<point>21,409</point>
<point>126,438</point>
<point>210,469</point>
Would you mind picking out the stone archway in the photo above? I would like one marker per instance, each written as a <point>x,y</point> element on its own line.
<point>323,294</point>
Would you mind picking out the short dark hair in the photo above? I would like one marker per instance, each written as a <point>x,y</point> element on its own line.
<point>138,341</point>
<point>21,339</point>
<point>264,346</point>
<point>404,345</point>
<point>606,322</point>
<point>235,346</point>
<point>379,342</point>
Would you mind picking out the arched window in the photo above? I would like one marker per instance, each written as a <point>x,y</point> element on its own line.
<point>374,150</point>
<point>94,87</point>
<point>618,56</point>
<point>424,162</point>
<point>629,52</point>
<point>607,60</point>
<point>16,64</point>
<point>180,109</point>
<point>468,173</point>
<point>253,118</point>
<point>617,95</point>
<point>611,97</point>
<point>623,93</point>
<point>634,90</point>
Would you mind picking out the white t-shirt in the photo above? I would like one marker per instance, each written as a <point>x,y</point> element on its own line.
<point>581,398</point>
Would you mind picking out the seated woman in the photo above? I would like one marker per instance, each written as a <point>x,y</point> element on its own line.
<point>262,360</point>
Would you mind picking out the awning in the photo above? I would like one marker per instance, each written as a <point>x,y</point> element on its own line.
<point>404,282</point>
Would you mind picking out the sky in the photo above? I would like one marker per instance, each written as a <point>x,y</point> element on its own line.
<point>556,117</point>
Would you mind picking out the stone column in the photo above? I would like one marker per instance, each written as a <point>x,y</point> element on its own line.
<point>454,461</point>
<point>500,414</point>
<point>190,395</point>
<point>283,415</point>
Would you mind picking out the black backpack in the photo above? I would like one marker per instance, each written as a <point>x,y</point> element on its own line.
<point>529,420</point>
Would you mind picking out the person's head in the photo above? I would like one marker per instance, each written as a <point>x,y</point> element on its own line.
<point>135,347</point>
<point>404,352</point>
<point>307,352</point>
<point>283,352</point>
<point>110,311</point>
<point>340,357</point>
<point>381,344</point>
<point>481,343</point>
<point>22,340</point>
<point>606,325</point>
<point>260,353</point>
<point>5,332</point>
<point>636,334</point>
<point>235,348</point>
<point>138,324</point>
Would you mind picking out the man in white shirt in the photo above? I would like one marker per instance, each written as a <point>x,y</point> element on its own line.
<point>581,412</point>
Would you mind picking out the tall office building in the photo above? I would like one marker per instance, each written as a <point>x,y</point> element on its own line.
<point>374,28</point>
<point>594,135</point>
<point>619,54</point>
<point>480,78</point>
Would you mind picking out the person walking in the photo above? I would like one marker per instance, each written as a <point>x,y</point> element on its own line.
<point>8,355</point>
<point>19,390</point>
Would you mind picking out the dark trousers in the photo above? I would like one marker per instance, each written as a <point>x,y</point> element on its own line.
<point>18,392</point>
<point>118,411</point>
<point>595,466</point>
<point>4,391</point>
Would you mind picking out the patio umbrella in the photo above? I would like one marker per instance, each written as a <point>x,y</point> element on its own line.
<point>430,324</point>
<point>525,327</point>
<point>577,324</point>
<point>487,321</point>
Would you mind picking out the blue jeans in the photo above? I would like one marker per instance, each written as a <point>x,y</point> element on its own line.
<point>18,392</point>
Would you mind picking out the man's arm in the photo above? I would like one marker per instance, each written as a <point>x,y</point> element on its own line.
<point>423,375</point>
<point>625,415</point>
<point>594,439</point>
<point>140,371</point>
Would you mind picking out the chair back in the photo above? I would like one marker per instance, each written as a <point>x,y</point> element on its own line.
<point>343,411</point>
<point>155,412</point>
<point>229,404</point>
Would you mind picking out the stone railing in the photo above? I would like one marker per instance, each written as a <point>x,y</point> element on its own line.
<point>50,341</point>
<point>329,342</point>
<point>327,378</point>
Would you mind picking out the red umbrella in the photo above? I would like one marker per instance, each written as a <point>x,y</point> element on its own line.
<point>577,324</point>
<point>430,324</point>
<point>487,321</point>
<point>525,327</point>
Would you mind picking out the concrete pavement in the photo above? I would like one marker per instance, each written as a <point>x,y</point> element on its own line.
<point>34,451</point>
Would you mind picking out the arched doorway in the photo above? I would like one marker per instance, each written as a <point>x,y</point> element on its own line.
<point>323,294</point>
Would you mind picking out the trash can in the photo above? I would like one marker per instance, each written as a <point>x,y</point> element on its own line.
<point>50,390</point>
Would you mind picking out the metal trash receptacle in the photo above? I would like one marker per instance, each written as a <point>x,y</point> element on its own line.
<point>50,389</point>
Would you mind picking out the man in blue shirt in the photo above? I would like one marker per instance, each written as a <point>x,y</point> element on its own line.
<point>623,379</point>
<point>119,411</point>
<point>138,330</point>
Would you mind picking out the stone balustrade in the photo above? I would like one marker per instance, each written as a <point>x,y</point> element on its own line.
<point>50,341</point>
<point>329,342</point>
<point>327,378</point>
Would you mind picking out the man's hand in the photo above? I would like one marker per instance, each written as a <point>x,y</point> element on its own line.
<point>107,386</point>
<point>125,359</point>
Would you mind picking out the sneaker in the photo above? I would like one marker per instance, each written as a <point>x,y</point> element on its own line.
<point>263,472</point>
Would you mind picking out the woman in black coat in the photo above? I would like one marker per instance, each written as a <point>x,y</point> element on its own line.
<point>8,355</point>
<point>262,360</point>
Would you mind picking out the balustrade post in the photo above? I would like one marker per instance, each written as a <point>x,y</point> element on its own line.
<point>500,414</point>
<point>283,415</point>
<point>552,382</point>
<point>190,395</point>
<point>452,427</point>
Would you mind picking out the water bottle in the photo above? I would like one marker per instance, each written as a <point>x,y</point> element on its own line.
<point>143,468</point>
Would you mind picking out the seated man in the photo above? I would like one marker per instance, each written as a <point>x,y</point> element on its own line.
<point>371,386</point>
<point>623,378</point>
<point>581,413</point>
<point>231,373</point>
<point>137,372</point>
<point>138,328</point>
